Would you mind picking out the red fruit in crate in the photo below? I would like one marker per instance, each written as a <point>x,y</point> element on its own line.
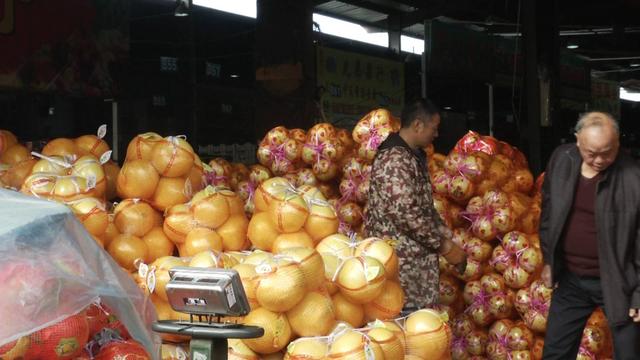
<point>522,301</point>
<point>498,171</point>
<point>474,167</point>
<point>503,219</point>
<point>298,134</point>
<point>514,242</point>
<point>593,339</point>
<point>477,249</point>
<point>521,355</point>
<point>453,163</point>
<point>500,259</point>
<point>366,151</point>
<point>282,166</point>
<point>531,259</point>
<point>535,320</point>
<point>332,150</point>
<point>258,174</point>
<point>496,350</point>
<point>475,206</point>
<point>496,199</point>
<point>348,188</point>
<point>480,315</point>
<point>473,271</point>
<point>501,305</point>
<point>460,236</point>
<point>63,340</point>
<point>352,167</point>
<point>264,155</point>
<point>524,180</point>
<point>306,177</point>
<point>311,153</point>
<point>362,192</point>
<point>538,345</point>
<point>277,136</point>
<point>471,291</point>
<point>440,182</point>
<point>484,229</point>
<point>97,319</point>
<point>541,292</point>
<point>477,342</point>
<point>293,149</point>
<point>462,325</point>
<point>520,337</point>
<point>244,190</point>
<point>500,329</point>
<point>461,188</point>
<point>129,350</point>
<point>449,290</point>
<point>350,213</point>
<point>516,277</point>
<point>321,133</point>
<point>325,170</point>
<point>492,284</point>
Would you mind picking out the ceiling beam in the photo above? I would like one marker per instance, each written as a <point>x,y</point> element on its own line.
<point>370,5</point>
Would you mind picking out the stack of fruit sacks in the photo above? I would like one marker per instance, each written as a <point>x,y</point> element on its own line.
<point>162,171</point>
<point>281,150</point>
<point>247,183</point>
<point>323,151</point>
<point>512,340</point>
<point>421,335</point>
<point>469,339</point>
<point>93,333</point>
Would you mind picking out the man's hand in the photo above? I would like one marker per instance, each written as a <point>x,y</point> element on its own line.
<point>454,255</point>
<point>546,276</point>
<point>635,315</point>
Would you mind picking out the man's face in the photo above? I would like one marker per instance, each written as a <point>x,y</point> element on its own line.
<point>598,146</point>
<point>426,132</point>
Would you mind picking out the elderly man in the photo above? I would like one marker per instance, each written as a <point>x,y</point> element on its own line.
<point>590,237</point>
<point>401,205</point>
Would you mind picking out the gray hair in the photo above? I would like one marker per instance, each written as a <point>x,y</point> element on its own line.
<point>596,118</point>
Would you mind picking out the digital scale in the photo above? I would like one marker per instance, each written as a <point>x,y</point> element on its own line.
<point>207,294</point>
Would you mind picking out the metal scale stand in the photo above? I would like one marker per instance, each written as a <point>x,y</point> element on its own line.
<point>207,294</point>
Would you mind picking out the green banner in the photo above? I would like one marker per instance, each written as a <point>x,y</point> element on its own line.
<point>353,84</point>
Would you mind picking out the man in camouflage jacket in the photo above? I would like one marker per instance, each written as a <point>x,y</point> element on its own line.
<point>400,205</point>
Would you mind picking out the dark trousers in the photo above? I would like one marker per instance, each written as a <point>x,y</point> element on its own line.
<point>572,303</point>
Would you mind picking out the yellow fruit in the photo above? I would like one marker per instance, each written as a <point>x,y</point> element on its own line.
<point>249,279</point>
<point>90,168</point>
<point>126,249</point>
<point>140,147</point>
<point>321,222</point>
<point>160,268</point>
<point>234,233</point>
<point>202,239</point>
<point>387,305</point>
<point>347,311</point>
<point>137,179</point>
<point>427,335</point>
<point>354,345</point>
<point>158,243</point>
<point>389,343</point>
<point>91,145</point>
<point>311,264</point>
<point>134,217</point>
<point>178,222</point>
<point>290,214</point>
<point>269,190</point>
<point>281,285</point>
<point>277,332</point>
<point>170,192</point>
<point>307,349</point>
<point>92,214</point>
<point>61,147</point>
<point>383,252</point>
<point>172,157</point>
<point>292,240</point>
<point>262,232</point>
<point>337,244</point>
<point>361,279</point>
<point>210,208</point>
<point>313,315</point>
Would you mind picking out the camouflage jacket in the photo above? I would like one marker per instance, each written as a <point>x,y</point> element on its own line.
<point>400,207</point>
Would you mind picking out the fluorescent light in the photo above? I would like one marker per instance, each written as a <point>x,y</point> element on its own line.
<point>572,46</point>
<point>349,30</point>
<point>447,107</point>
<point>630,96</point>
<point>634,65</point>
<point>235,76</point>
<point>411,44</point>
<point>239,7</point>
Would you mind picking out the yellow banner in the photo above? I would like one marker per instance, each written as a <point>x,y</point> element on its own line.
<point>352,85</point>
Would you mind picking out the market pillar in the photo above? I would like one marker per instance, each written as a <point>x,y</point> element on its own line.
<point>285,65</point>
